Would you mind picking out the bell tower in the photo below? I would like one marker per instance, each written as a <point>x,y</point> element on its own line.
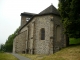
<point>25,17</point>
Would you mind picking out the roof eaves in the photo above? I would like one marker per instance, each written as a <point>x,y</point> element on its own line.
<point>35,16</point>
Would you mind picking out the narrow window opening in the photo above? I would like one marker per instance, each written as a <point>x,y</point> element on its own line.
<point>42,34</point>
<point>27,19</point>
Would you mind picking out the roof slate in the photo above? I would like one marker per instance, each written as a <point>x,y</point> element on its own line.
<point>50,9</point>
<point>27,14</point>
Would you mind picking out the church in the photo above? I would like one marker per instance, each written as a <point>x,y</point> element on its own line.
<point>41,33</point>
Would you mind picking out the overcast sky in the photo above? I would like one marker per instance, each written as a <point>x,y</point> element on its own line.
<point>10,11</point>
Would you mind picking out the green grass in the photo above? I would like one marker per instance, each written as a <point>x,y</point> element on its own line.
<point>74,41</point>
<point>7,56</point>
<point>69,53</point>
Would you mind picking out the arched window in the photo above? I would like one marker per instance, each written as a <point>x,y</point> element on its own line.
<point>42,33</point>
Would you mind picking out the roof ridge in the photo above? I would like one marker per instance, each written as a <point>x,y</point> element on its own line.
<point>50,9</point>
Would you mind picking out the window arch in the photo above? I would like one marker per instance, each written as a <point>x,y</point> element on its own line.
<point>42,33</point>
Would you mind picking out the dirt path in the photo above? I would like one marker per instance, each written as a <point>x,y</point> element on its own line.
<point>20,57</point>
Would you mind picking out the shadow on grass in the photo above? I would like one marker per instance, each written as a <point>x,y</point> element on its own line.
<point>72,45</point>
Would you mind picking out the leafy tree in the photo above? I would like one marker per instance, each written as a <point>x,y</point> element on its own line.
<point>9,43</point>
<point>2,47</point>
<point>70,13</point>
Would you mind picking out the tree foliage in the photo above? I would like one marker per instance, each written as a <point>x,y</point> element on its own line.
<point>9,43</point>
<point>2,47</point>
<point>70,13</point>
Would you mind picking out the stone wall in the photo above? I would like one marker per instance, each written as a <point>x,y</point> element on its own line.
<point>59,36</point>
<point>54,36</point>
<point>23,20</point>
<point>14,45</point>
<point>29,38</point>
<point>42,46</point>
<point>19,44</point>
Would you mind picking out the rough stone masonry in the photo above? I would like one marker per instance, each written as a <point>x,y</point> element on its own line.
<point>40,33</point>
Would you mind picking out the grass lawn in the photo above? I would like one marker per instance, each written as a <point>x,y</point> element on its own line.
<point>74,41</point>
<point>69,53</point>
<point>7,56</point>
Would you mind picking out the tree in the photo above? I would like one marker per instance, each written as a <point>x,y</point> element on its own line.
<point>70,13</point>
<point>9,43</point>
<point>2,47</point>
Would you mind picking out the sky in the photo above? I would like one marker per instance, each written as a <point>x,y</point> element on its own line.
<point>10,11</point>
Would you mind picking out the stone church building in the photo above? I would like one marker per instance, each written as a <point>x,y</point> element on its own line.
<point>40,33</point>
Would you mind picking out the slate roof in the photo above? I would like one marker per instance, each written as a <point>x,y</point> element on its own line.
<point>50,9</point>
<point>27,14</point>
